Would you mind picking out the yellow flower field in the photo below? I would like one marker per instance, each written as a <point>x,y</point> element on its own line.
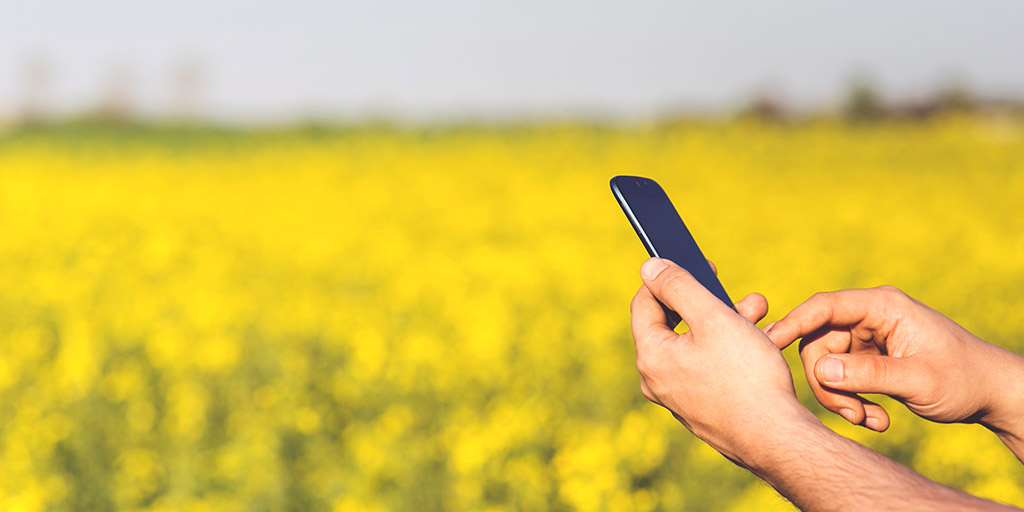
<point>437,319</point>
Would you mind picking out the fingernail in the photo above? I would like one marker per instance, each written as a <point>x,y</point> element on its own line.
<point>832,370</point>
<point>847,413</point>
<point>768,328</point>
<point>652,267</point>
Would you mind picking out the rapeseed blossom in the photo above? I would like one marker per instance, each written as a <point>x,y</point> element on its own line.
<point>438,319</point>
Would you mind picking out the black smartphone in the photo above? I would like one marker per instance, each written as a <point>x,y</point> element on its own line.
<point>662,231</point>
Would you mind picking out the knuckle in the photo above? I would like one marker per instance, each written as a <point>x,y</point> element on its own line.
<point>676,280</point>
<point>643,365</point>
<point>635,303</point>
<point>646,391</point>
<point>829,399</point>
<point>819,301</point>
<point>834,404</point>
<point>879,371</point>
<point>891,292</point>
<point>650,365</point>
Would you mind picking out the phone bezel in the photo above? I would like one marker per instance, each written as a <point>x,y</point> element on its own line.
<point>651,188</point>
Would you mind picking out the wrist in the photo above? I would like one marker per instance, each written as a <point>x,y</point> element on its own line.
<point>817,469</point>
<point>1005,414</point>
<point>765,445</point>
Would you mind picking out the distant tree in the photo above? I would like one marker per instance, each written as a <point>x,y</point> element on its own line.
<point>956,98</point>
<point>115,104</point>
<point>863,103</point>
<point>766,107</point>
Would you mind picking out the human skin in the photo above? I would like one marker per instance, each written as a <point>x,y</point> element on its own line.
<point>728,383</point>
<point>881,340</point>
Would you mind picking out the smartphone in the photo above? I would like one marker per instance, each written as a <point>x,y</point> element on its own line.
<point>662,231</point>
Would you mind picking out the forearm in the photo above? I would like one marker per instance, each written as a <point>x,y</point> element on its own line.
<point>819,470</point>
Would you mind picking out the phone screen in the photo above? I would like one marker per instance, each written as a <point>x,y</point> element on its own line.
<point>662,230</point>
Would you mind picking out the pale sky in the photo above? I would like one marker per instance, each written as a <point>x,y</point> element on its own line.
<point>265,60</point>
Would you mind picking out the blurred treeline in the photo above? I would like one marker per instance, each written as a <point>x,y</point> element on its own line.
<point>117,103</point>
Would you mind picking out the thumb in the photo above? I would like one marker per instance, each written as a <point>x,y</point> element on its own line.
<point>869,373</point>
<point>680,291</point>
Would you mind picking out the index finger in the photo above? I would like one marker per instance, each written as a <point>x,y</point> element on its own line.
<point>825,309</point>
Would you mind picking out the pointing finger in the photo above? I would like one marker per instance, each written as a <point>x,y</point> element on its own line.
<point>827,309</point>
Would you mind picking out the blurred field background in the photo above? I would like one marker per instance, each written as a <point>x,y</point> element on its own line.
<point>387,319</point>
<point>345,256</point>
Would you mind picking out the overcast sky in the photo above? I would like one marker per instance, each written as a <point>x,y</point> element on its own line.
<point>274,60</point>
